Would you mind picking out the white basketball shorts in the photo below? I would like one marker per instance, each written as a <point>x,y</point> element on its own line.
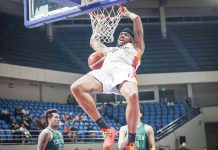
<point>113,74</point>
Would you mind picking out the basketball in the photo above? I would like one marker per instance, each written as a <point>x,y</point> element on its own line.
<point>96,60</point>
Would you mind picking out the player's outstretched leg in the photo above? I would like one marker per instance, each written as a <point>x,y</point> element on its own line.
<point>80,90</point>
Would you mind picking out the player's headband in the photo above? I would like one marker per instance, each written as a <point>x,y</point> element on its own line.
<point>128,31</point>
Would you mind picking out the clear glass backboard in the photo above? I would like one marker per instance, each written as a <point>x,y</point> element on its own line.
<point>41,12</point>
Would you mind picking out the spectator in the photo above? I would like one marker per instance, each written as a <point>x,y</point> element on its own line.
<point>83,118</point>
<point>26,122</point>
<point>62,122</point>
<point>25,111</point>
<point>17,112</point>
<point>42,122</point>
<point>66,129</point>
<point>65,118</point>
<point>188,102</point>
<point>5,115</point>
<point>163,98</point>
<point>78,118</point>
<point>15,125</point>
<point>90,134</point>
<point>26,134</point>
<point>33,125</point>
<point>71,117</point>
<point>75,133</point>
<point>67,133</point>
<point>16,132</point>
<point>184,146</point>
<point>4,110</point>
<point>34,129</point>
<point>170,104</point>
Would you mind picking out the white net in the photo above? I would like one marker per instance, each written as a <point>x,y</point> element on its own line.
<point>104,22</point>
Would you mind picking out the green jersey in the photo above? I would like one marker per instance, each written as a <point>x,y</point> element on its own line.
<point>141,139</point>
<point>56,142</point>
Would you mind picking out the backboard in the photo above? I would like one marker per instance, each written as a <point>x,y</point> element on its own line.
<point>41,12</point>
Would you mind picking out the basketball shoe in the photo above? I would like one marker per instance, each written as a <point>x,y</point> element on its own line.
<point>131,146</point>
<point>109,136</point>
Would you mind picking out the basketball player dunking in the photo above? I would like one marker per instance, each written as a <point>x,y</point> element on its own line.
<point>50,138</point>
<point>117,75</point>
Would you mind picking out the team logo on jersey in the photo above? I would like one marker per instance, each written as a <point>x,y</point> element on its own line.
<point>114,50</point>
<point>125,47</point>
<point>58,141</point>
<point>137,144</point>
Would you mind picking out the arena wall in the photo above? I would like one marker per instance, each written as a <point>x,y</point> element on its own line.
<point>50,76</point>
<point>55,85</point>
<point>31,90</point>
<point>194,130</point>
<point>210,114</point>
<point>205,94</point>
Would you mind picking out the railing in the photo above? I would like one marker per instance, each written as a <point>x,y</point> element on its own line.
<point>18,137</point>
<point>83,136</point>
<point>177,123</point>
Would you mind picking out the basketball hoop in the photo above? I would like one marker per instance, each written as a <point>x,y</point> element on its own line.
<point>104,22</point>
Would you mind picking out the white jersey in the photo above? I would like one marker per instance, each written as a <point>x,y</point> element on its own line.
<point>124,54</point>
<point>120,65</point>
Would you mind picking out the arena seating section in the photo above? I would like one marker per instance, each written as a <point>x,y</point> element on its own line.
<point>70,48</point>
<point>154,114</point>
<point>201,42</point>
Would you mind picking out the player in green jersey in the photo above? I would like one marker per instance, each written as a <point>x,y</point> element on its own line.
<point>144,136</point>
<point>50,138</point>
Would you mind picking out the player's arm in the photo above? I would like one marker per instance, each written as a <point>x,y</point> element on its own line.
<point>122,138</point>
<point>138,29</point>
<point>151,140</point>
<point>43,139</point>
<point>96,44</point>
